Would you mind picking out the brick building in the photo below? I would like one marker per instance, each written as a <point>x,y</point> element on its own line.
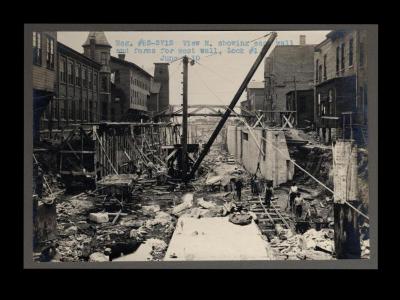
<point>340,78</point>
<point>286,68</point>
<point>130,90</point>
<point>77,87</point>
<point>44,45</point>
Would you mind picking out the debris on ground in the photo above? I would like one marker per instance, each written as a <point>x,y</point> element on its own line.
<point>133,218</point>
<point>314,245</point>
<point>187,202</point>
<point>99,217</point>
<point>240,218</point>
<point>98,257</point>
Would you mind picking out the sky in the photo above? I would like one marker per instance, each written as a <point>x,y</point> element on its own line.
<point>217,72</point>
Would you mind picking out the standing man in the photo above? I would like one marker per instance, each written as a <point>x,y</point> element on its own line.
<point>269,192</point>
<point>238,186</point>
<point>292,195</point>
<point>39,182</point>
<point>150,167</point>
<point>253,184</point>
<point>298,204</point>
<point>139,169</point>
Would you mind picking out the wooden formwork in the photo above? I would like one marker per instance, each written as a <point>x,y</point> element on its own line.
<point>94,151</point>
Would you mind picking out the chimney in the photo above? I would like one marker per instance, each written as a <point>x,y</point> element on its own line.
<point>161,75</point>
<point>302,39</point>
<point>121,56</point>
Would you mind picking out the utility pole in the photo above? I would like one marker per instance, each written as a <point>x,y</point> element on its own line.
<point>235,99</point>
<point>346,229</point>
<point>295,97</point>
<point>184,117</point>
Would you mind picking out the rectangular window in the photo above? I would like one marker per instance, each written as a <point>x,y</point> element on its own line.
<point>95,81</point>
<point>245,136</point>
<point>117,77</point>
<point>361,62</point>
<point>78,75</point>
<point>73,110</point>
<point>37,48</point>
<point>70,72</point>
<point>62,70</point>
<point>342,65</point>
<point>91,111</point>
<point>90,82</point>
<point>316,70</point>
<point>50,53</point>
<point>337,60</point>
<point>320,73</point>
<point>95,118</point>
<point>84,77</point>
<point>104,58</point>
<point>351,52</point>
<point>319,104</point>
<point>325,59</point>
<point>104,84</point>
<point>53,109</point>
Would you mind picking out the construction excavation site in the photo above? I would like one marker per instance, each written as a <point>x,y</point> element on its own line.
<point>201,183</point>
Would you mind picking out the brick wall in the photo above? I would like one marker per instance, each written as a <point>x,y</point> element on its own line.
<point>130,84</point>
<point>285,65</point>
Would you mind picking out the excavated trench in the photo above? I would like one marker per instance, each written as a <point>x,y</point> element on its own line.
<point>78,237</point>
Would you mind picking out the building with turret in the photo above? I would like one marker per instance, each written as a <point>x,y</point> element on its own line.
<point>97,48</point>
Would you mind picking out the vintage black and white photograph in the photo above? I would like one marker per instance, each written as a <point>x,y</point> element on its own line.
<point>203,145</point>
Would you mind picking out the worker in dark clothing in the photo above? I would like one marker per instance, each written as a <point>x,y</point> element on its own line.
<point>39,182</point>
<point>238,187</point>
<point>298,204</point>
<point>150,167</point>
<point>133,167</point>
<point>253,184</point>
<point>292,196</point>
<point>268,195</point>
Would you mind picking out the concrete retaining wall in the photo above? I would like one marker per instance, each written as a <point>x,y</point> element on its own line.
<point>274,164</point>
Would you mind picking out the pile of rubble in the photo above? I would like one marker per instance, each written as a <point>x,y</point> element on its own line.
<point>312,245</point>
<point>87,232</point>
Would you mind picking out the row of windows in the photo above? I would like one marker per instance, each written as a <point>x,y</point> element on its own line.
<point>139,83</point>
<point>138,98</point>
<point>75,74</point>
<point>321,70</point>
<point>72,111</point>
<point>37,50</point>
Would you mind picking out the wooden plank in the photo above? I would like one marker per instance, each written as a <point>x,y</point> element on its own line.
<point>105,153</point>
<point>77,151</point>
